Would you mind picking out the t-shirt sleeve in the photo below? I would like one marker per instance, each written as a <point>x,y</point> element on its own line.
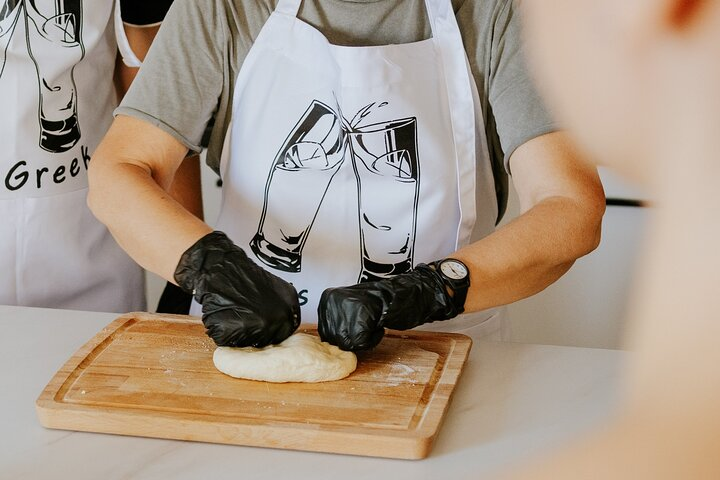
<point>520,114</point>
<point>178,86</point>
<point>144,12</point>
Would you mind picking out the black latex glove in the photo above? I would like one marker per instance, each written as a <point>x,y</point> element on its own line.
<point>174,300</point>
<point>354,318</point>
<point>243,305</point>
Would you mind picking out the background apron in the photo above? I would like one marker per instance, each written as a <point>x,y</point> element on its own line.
<point>57,60</point>
<point>350,164</point>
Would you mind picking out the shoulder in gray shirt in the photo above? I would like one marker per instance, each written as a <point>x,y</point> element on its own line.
<point>188,77</point>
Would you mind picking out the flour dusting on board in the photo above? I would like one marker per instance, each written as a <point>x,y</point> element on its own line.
<point>399,373</point>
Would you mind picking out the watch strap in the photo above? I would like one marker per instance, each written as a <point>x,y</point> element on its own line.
<point>459,287</point>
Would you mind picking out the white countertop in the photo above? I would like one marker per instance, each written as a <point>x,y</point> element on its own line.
<point>513,401</point>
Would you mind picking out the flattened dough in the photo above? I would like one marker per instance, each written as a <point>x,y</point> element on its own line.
<point>300,358</point>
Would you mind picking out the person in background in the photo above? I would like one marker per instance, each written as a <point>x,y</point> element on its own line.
<point>59,83</point>
<point>637,82</point>
<point>362,185</point>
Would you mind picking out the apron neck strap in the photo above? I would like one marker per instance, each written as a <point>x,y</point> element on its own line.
<point>441,16</point>
<point>288,7</point>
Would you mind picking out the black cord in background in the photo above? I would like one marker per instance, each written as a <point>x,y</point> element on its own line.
<point>621,202</point>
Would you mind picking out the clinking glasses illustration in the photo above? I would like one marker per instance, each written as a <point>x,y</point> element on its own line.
<point>53,36</point>
<point>384,159</point>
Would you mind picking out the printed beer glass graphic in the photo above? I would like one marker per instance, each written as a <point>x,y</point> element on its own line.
<point>302,171</point>
<point>53,29</point>
<point>386,165</point>
<point>9,13</point>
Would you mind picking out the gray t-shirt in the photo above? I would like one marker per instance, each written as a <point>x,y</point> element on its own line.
<point>188,77</point>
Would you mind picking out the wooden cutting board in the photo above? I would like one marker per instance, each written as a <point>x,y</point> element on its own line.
<point>153,376</point>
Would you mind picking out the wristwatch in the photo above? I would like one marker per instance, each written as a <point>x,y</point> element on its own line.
<point>456,277</point>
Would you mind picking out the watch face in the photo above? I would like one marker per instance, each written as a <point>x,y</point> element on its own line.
<point>453,269</point>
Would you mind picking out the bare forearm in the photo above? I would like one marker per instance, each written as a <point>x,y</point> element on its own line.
<point>138,209</point>
<point>172,212</point>
<point>562,202</point>
<point>530,253</point>
<point>186,187</point>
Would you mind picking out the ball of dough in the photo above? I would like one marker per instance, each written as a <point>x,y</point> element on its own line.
<point>300,358</point>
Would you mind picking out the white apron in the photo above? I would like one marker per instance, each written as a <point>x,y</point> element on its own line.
<point>350,164</point>
<point>57,59</point>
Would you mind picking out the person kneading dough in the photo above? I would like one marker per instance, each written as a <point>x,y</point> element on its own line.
<point>300,358</point>
<point>367,167</point>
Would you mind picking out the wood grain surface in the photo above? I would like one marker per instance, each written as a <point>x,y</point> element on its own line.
<point>153,376</point>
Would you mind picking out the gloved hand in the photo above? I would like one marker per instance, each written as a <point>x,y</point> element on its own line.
<point>243,305</point>
<point>354,318</point>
